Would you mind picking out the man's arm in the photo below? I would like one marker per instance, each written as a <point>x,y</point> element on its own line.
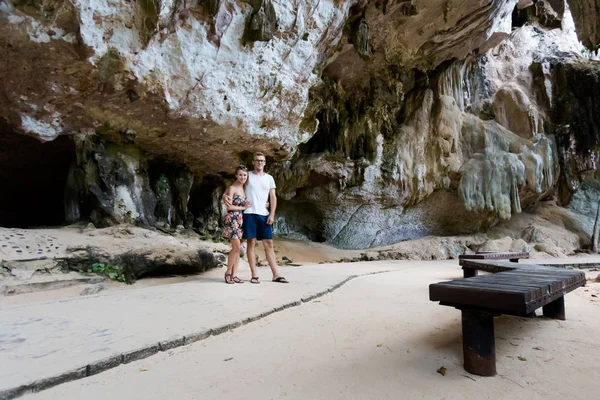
<point>226,198</point>
<point>273,204</point>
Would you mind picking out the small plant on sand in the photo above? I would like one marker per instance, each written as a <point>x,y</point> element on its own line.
<point>111,271</point>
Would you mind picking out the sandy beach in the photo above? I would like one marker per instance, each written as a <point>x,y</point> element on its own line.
<point>377,337</point>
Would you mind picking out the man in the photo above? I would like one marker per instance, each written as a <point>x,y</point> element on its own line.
<point>258,219</point>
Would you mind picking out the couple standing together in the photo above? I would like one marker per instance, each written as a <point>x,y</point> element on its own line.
<point>251,202</point>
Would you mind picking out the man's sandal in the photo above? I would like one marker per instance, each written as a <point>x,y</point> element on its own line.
<point>280,279</point>
<point>237,280</point>
<point>254,279</point>
<point>228,281</point>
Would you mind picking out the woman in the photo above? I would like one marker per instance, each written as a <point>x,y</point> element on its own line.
<point>233,222</point>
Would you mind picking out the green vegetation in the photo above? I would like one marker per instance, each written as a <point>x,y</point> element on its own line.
<point>110,271</point>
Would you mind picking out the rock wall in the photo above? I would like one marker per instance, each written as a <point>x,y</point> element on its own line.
<point>471,136</point>
<point>112,183</point>
<point>382,121</point>
<point>586,16</point>
<point>183,73</point>
<point>578,135</point>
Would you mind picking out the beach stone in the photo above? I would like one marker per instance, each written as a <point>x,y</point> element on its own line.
<point>499,245</point>
<point>519,245</point>
<point>91,290</point>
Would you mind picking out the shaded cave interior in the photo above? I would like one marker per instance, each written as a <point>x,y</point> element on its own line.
<point>33,177</point>
<point>37,178</point>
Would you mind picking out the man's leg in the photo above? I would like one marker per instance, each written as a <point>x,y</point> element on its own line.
<point>270,255</point>
<point>249,229</point>
<point>265,233</point>
<point>252,257</point>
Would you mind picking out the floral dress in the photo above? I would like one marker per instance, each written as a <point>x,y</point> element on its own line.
<point>234,219</point>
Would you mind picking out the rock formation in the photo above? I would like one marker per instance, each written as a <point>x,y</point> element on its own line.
<point>586,14</point>
<point>382,120</point>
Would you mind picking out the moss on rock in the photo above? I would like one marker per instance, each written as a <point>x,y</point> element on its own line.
<point>148,19</point>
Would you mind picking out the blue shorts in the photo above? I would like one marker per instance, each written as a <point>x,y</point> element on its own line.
<point>255,227</point>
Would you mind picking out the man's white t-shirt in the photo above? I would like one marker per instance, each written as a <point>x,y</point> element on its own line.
<point>257,191</point>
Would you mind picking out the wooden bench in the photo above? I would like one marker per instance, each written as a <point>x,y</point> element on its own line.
<point>470,269</point>
<point>513,289</point>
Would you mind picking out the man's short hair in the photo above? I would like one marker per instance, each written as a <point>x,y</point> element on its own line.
<point>258,153</point>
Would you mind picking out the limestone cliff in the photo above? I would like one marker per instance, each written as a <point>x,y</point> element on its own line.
<point>472,141</point>
<point>382,120</point>
<point>586,15</point>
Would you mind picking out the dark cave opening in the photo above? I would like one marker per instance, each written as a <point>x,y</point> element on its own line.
<point>303,220</point>
<point>325,137</point>
<point>204,203</point>
<point>520,16</point>
<point>33,176</point>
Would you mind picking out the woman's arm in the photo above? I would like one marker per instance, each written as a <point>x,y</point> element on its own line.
<point>228,200</point>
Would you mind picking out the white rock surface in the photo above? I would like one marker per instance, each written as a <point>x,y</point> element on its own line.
<point>260,89</point>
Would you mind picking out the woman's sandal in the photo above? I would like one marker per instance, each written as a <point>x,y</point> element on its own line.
<point>229,281</point>
<point>254,279</point>
<point>237,280</point>
<point>280,279</point>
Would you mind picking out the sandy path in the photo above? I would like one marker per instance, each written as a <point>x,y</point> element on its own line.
<point>377,337</point>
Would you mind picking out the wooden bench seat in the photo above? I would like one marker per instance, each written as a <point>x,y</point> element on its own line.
<point>469,262</point>
<point>513,256</point>
<point>513,289</point>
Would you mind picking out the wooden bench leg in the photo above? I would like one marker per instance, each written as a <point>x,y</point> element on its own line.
<point>469,272</point>
<point>556,309</point>
<point>479,348</point>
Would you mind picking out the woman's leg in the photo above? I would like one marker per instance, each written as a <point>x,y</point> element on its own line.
<point>234,257</point>
<point>231,260</point>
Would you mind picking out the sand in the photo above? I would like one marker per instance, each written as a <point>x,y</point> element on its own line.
<point>377,337</point>
<point>24,244</point>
